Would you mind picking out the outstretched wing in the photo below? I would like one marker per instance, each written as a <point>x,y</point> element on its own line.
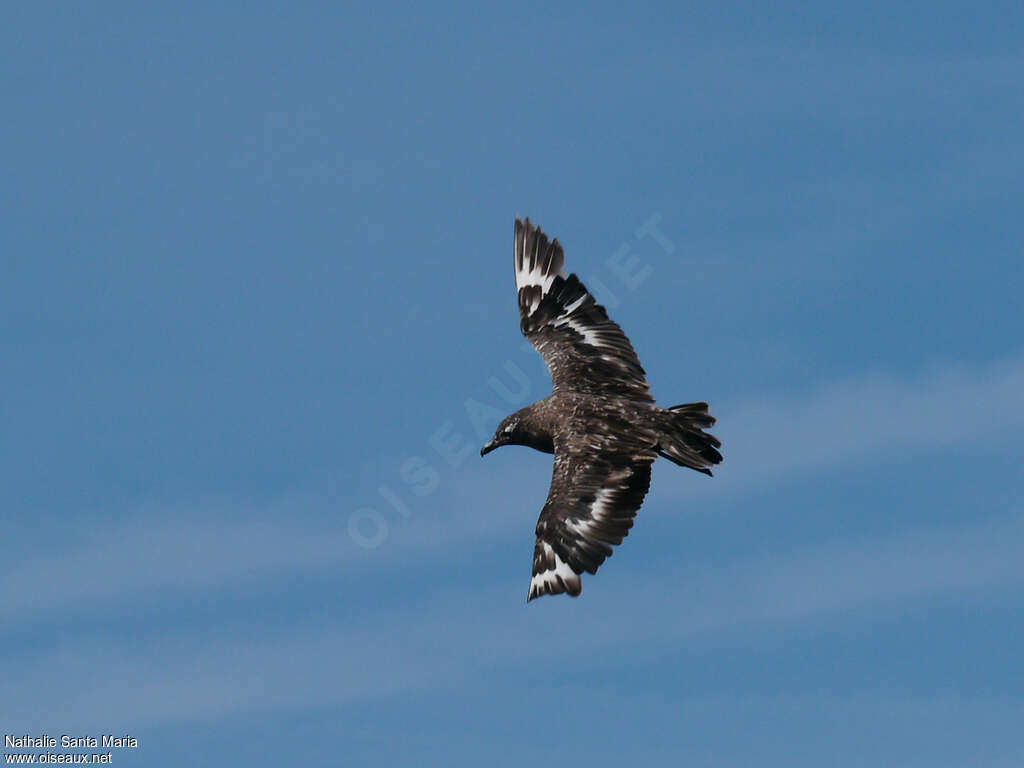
<point>584,350</point>
<point>590,509</point>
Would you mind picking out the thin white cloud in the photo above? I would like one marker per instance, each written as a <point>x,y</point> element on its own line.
<point>768,440</point>
<point>869,419</point>
<point>465,632</point>
<point>862,728</point>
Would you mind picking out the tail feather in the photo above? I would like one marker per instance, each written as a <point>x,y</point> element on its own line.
<point>684,441</point>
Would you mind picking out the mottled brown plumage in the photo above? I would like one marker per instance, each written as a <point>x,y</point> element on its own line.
<point>600,420</point>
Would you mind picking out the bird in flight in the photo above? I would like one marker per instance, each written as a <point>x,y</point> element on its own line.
<point>600,420</point>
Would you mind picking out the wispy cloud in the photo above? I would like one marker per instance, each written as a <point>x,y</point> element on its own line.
<point>768,440</point>
<point>879,726</point>
<point>868,419</point>
<point>463,632</point>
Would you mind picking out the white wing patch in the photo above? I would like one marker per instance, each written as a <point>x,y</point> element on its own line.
<point>548,581</point>
<point>527,278</point>
<point>575,305</point>
<point>598,512</point>
<point>537,264</point>
<point>590,336</point>
<point>534,276</point>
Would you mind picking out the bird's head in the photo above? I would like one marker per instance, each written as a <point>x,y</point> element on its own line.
<point>503,435</point>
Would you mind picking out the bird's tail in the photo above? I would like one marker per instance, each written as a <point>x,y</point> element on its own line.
<point>684,440</point>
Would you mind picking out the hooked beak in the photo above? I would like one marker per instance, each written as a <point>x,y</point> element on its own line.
<point>488,448</point>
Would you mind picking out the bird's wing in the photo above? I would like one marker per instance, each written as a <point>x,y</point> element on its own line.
<point>584,350</point>
<point>590,508</point>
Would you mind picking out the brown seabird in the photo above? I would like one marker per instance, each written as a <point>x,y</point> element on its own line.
<point>599,421</point>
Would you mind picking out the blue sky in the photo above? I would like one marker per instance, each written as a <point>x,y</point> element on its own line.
<point>257,309</point>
